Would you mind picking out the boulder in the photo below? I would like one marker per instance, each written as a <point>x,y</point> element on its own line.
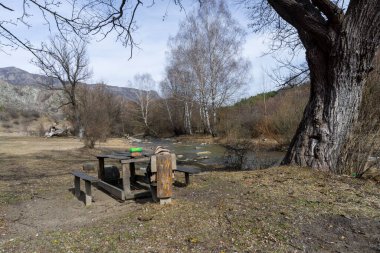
<point>203,153</point>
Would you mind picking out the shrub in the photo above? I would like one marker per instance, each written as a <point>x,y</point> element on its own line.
<point>98,110</point>
<point>4,117</point>
<point>236,155</point>
<point>13,113</point>
<point>30,114</point>
<point>41,130</point>
<point>6,125</point>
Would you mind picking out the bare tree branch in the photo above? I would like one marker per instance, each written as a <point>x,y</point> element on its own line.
<point>88,17</point>
<point>333,13</point>
<point>65,60</point>
<point>5,7</point>
<point>305,18</point>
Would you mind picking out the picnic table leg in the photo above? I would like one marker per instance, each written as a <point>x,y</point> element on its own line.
<point>133,172</point>
<point>126,179</point>
<point>77,186</point>
<point>88,197</point>
<point>187,178</point>
<point>101,168</point>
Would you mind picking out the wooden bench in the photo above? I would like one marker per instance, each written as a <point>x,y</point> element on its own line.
<point>88,180</point>
<point>187,172</point>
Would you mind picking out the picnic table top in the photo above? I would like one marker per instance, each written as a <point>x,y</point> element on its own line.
<point>122,156</point>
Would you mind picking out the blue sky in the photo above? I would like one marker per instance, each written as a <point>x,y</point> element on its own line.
<point>110,60</point>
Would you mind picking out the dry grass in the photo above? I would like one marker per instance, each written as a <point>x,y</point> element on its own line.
<point>276,210</point>
<point>13,145</point>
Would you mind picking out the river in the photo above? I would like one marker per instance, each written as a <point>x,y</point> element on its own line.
<point>210,156</point>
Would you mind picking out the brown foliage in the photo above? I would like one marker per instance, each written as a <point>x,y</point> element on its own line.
<point>284,114</point>
<point>276,117</point>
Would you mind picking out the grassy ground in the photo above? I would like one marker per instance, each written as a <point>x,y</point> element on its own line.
<point>276,210</point>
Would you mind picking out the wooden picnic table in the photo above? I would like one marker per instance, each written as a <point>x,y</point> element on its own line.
<point>157,175</point>
<point>128,174</point>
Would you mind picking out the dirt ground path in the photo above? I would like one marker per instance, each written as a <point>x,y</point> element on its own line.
<point>276,210</point>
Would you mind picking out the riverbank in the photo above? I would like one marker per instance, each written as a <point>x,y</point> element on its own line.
<point>261,143</point>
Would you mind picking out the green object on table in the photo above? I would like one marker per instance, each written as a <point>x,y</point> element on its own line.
<point>135,149</point>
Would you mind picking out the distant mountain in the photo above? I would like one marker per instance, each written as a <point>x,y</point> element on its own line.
<point>19,77</point>
<point>28,97</point>
<point>22,90</point>
<point>128,93</point>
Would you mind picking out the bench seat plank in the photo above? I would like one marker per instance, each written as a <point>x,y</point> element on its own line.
<point>188,170</point>
<point>85,177</point>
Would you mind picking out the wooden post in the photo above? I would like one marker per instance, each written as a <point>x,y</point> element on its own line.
<point>77,186</point>
<point>187,178</point>
<point>153,164</point>
<point>88,197</point>
<point>174,161</point>
<point>101,168</point>
<point>164,176</point>
<point>133,172</point>
<point>126,178</point>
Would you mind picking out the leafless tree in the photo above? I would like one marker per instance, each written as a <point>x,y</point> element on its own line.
<point>340,39</point>
<point>208,50</point>
<point>144,85</point>
<point>65,60</point>
<point>178,86</point>
<point>99,109</point>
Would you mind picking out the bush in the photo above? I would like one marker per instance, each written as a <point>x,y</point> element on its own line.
<point>41,130</point>
<point>98,110</point>
<point>13,113</point>
<point>6,125</point>
<point>30,114</point>
<point>236,155</point>
<point>4,117</point>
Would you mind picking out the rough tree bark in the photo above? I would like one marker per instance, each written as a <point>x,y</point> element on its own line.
<point>339,51</point>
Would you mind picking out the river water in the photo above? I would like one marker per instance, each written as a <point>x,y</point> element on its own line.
<point>210,156</point>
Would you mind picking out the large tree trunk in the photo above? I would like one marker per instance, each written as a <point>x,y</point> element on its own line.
<point>338,73</point>
<point>332,108</point>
